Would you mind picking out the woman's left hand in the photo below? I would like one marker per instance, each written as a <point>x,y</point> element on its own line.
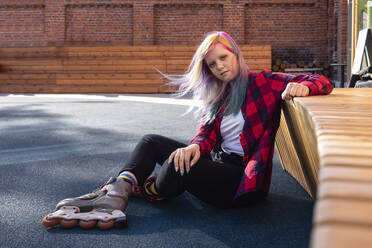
<point>295,89</point>
<point>182,157</point>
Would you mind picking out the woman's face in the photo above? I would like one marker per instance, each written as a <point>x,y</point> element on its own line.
<point>222,63</point>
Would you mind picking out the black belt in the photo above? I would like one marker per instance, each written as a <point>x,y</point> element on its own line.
<point>222,156</point>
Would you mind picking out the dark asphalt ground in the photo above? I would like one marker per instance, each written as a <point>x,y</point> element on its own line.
<point>57,146</point>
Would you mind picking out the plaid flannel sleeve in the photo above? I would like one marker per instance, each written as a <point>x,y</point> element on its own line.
<point>318,84</point>
<point>206,136</point>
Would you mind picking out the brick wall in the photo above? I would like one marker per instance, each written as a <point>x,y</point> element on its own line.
<point>296,29</point>
<point>99,23</point>
<point>22,22</point>
<point>182,24</point>
<point>291,29</point>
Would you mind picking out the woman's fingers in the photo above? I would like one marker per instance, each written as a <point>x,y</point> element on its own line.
<point>182,156</point>
<point>187,161</point>
<point>305,91</point>
<point>181,164</point>
<point>175,157</point>
<point>181,159</point>
<point>170,159</point>
<point>178,159</point>
<point>286,92</point>
<point>295,89</point>
<point>195,158</point>
<point>194,152</point>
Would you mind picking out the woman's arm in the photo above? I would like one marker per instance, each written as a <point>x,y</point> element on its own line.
<point>288,84</point>
<point>206,136</point>
<point>295,89</point>
<point>203,142</point>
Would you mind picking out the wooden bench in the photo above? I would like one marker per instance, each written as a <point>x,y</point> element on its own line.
<point>115,69</point>
<point>329,151</point>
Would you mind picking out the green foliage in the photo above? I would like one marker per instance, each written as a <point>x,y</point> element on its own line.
<point>362,7</point>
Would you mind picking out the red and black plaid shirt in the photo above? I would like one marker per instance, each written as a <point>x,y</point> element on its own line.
<point>261,112</point>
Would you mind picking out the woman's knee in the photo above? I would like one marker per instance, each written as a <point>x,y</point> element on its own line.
<point>169,183</point>
<point>148,138</point>
<point>151,139</point>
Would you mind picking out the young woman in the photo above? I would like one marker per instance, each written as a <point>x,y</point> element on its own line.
<point>229,161</point>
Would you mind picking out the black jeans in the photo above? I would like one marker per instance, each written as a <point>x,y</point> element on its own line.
<point>210,180</point>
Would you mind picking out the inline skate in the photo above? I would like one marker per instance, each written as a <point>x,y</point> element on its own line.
<point>103,207</point>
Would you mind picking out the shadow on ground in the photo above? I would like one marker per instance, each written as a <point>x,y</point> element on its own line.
<point>53,149</point>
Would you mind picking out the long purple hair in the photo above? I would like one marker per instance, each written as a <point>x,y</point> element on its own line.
<point>199,81</point>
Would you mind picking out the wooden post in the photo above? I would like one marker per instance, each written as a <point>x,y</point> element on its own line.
<point>354,32</point>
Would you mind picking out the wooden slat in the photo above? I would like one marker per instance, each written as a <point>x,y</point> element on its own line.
<point>326,236</point>
<point>343,189</point>
<point>30,62</point>
<point>342,173</point>
<point>124,51</point>
<point>343,211</point>
<point>128,82</point>
<point>285,145</point>
<point>116,61</point>
<point>342,127</point>
<point>111,68</point>
<point>31,76</point>
<point>79,89</point>
<point>114,66</point>
<point>83,82</point>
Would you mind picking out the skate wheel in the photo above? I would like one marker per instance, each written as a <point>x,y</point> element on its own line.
<point>87,224</point>
<point>104,225</point>
<point>48,222</point>
<point>68,223</point>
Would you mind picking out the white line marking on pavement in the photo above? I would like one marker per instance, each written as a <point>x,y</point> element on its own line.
<point>148,99</point>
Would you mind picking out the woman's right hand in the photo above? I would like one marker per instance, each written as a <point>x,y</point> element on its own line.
<point>182,156</point>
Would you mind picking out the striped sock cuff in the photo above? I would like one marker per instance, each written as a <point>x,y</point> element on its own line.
<point>149,190</point>
<point>128,177</point>
<point>152,189</point>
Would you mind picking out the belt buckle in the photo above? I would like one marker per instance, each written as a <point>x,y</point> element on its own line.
<point>217,157</point>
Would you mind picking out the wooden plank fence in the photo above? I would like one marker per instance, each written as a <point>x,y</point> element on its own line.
<point>115,69</point>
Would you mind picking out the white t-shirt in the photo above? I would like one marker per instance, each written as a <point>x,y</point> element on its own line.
<point>231,127</point>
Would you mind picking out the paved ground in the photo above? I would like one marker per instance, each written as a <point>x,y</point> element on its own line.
<point>57,146</point>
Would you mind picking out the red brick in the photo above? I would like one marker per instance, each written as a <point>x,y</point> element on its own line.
<point>296,29</point>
